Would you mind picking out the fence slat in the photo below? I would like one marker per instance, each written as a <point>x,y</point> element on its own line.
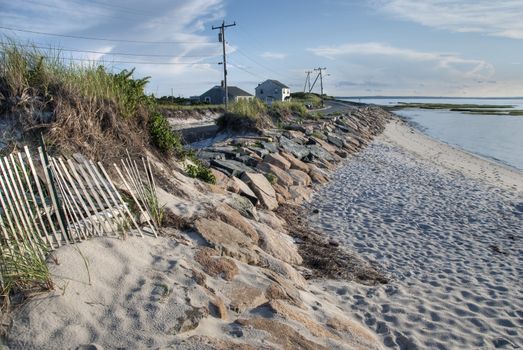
<point>33,198</point>
<point>47,210</point>
<point>52,193</point>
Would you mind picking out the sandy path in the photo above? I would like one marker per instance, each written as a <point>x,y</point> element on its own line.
<point>449,236</point>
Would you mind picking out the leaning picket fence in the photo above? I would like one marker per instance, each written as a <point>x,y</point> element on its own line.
<point>47,202</point>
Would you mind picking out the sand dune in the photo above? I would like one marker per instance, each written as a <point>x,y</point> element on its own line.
<point>446,227</point>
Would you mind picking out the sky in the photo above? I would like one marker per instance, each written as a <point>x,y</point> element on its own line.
<point>458,48</point>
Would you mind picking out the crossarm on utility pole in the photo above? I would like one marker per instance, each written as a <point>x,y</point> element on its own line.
<point>222,39</point>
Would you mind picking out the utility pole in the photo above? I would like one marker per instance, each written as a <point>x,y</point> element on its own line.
<point>221,38</point>
<point>320,74</point>
<point>307,81</point>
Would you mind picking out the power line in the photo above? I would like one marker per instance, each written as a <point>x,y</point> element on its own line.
<point>253,43</point>
<point>124,62</point>
<point>107,39</point>
<point>259,64</point>
<point>84,10</point>
<point>114,53</point>
<point>127,9</point>
<point>235,65</point>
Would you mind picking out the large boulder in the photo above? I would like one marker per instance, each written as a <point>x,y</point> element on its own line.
<point>295,162</point>
<point>262,188</point>
<point>235,219</point>
<point>238,186</point>
<point>317,151</point>
<point>283,178</point>
<point>243,296</point>
<point>289,146</point>
<point>243,205</point>
<point>227,239</point>
<point>299,177</point>
<point>230,167</point>
<point>279,245</point>
<point>278,160</point>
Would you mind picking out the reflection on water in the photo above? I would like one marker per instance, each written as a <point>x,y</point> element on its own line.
<point>497,137</point>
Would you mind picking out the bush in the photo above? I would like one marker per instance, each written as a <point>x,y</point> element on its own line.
<point>271,178</point>
<point>285,108</point>
<point>163,137</point>
<point>250,115</point>
<point>200,171</point>
<point>307,98</point>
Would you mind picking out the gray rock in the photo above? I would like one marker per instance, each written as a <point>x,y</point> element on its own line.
<point>249,161</point>
<point>335,140</point>
<point>289,146</point>
<point>269,146</point>
<point>319,152</point>
<point>262,152</point>
<point>231,167</point>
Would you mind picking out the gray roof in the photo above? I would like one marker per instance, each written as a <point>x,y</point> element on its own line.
<point>236,91</point>
<point>232,91</point>
<point>276,82</point>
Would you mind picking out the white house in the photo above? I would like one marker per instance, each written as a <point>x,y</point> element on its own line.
<point>272,90</point>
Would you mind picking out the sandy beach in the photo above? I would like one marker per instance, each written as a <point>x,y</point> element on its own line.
<point>445,226</point>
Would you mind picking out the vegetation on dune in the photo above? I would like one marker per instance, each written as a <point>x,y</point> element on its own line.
<point>82,108</point>
<point>163,137</point>
<point>246,115</point>
<point>23,269</point>
<point>286,108</point>
<point>199,171</point>
<point>307,98</point>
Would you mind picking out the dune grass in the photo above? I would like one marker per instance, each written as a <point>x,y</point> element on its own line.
<point>285,108</point>
<point>23,269</point>
<point>83,108</point>
<point>307,98</point>
<point>246,115</point>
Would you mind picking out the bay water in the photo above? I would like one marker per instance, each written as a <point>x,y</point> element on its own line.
<point>497,137</point>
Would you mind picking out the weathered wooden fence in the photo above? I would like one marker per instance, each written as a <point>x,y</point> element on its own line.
<point>47,202</point>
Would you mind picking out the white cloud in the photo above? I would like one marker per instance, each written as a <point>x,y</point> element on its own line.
<point>501,18</point>
<point>467,67</point>
<point>274,55</point>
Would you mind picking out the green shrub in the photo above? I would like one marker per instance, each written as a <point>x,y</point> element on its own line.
<point>200,171</point>
<point>286,108</point>
<point>163,136</point>
<point>307,98</point>
<point>271,178</point>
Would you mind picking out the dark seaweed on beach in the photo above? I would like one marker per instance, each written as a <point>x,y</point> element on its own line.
<point>325,258</point>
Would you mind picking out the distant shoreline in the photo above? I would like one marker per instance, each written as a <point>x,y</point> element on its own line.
<point>430,97</point>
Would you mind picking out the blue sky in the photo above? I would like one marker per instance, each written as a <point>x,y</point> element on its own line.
<point>370,47</point>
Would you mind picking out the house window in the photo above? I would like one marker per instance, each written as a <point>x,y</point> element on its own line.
<point>261,92</point>
<point>275,91</point>
<point>208,99</point>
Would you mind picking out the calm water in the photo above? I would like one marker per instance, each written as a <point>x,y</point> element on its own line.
<point>496,137</point>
